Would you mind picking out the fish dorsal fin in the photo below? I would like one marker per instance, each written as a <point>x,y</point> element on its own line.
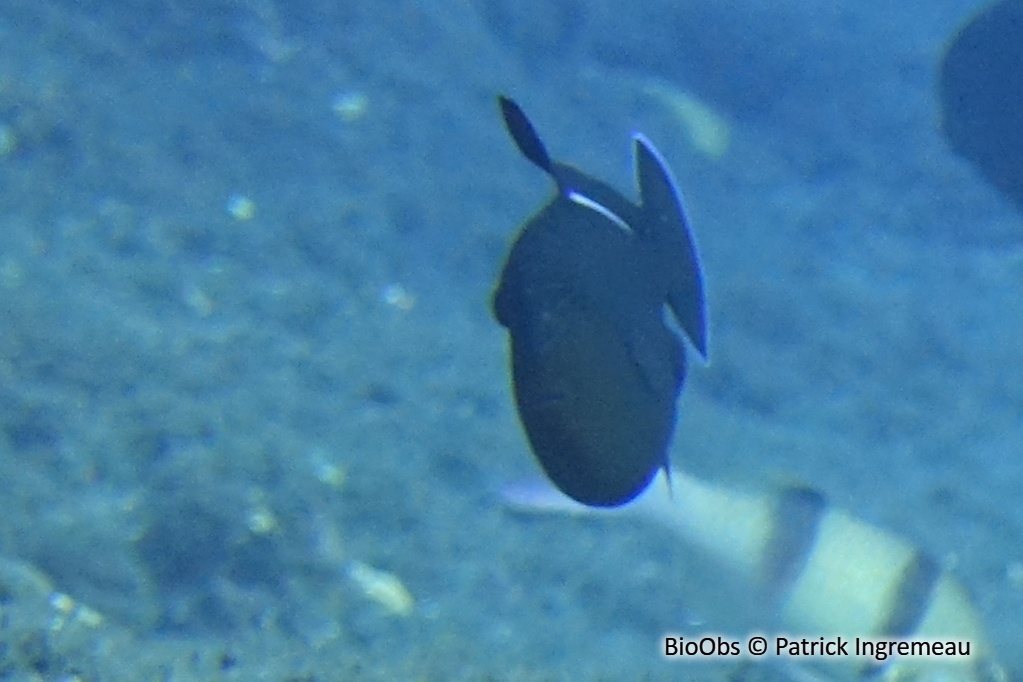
<point>666,226</point>
<point>572,183</point>
<point>579,188</point>
<point>526,138</point>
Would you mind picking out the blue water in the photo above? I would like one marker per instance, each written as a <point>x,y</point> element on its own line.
<point>246,254</point>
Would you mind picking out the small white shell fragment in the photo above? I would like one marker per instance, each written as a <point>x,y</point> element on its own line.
<point>384,588</point>
<point>241,208</point>
<point>69,611</point>
<point>397,296</point>
<point>350,106</point>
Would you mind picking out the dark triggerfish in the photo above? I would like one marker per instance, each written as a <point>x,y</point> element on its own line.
<point>593,294</point>
<point>981,95</point>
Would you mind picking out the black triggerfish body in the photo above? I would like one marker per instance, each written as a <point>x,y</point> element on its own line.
<point>596,295</point>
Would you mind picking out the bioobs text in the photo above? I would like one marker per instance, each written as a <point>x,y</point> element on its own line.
<point>706,646</point>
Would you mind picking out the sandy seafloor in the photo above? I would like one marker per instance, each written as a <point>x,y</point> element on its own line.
<point>208,418</point>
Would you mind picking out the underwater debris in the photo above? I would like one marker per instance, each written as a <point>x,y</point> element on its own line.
<point>384,588</point>
<point>241,208</point>
<point>397,296</point>
<point>69,611</point>
<point>262,521</point>
<point>350,106</point>
<point>333,475</point>
<point>20,580</point>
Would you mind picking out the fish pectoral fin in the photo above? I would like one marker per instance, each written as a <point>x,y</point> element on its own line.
<point>666,226</point>
<point>661,363</point>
